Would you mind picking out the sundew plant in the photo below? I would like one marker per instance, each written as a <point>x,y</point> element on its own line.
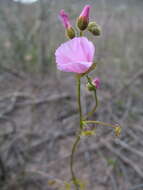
<point>76,55</point>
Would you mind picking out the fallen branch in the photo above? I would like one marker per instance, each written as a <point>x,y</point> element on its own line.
<point>126,146</point>
<point>33,101</point>
<point>123,158</point>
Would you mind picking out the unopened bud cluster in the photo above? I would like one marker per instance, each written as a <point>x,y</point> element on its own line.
<point>83,23</point>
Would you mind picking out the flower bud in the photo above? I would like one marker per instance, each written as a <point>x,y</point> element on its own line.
<point>70,33</point>
<point>83,20</point>
<point>94,28</point>
<point>90,86</point>
<point>96,82</point>
<point>117,131</point>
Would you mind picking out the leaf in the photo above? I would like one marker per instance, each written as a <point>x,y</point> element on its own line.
<point>111,162</point>
<point>87,133</point>
<point>51,182</point>
<point>67,186</point>
<point>81,183</point>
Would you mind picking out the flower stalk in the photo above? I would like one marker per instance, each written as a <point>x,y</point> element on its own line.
<point>77,56</point>
<point>81,33</point>
<point>100,123</point>
<point>79,100</point>
<point>74,147</point>
<point>95,107</point>
<point>74,179</point>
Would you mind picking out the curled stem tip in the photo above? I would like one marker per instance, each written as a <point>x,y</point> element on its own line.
<point>101,123</point>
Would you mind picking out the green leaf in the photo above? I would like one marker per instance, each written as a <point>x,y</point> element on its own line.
<point>111,162</point>
<point>81,183</point>
<point>67,186</point>
<point>87,133</point>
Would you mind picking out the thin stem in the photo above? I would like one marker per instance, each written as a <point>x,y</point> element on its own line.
<point>74,179</point>
<point>81,33</point>
<point>96,99</point>
<point>95,107</point>
<point>100,123</point>
<point>79,100</point>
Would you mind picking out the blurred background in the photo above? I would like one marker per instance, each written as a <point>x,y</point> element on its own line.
<point>38,111</point>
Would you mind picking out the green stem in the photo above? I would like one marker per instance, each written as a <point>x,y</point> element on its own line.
<point>81,33</point>
<point>95,107</point>
<point>79,100</point>
<point>100,123</point>
<point>96,100</point>
<point>74,179</point>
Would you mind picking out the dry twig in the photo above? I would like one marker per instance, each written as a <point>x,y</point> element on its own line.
<point>123,158</point>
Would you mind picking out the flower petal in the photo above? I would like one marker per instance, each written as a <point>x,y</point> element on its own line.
<point>77,51</point>
<point>75,67</point>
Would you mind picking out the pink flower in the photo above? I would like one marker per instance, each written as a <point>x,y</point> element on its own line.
<point>75,55</point>
<point>85,12</point>
<point>96,82</point>
<point>65,19</point>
